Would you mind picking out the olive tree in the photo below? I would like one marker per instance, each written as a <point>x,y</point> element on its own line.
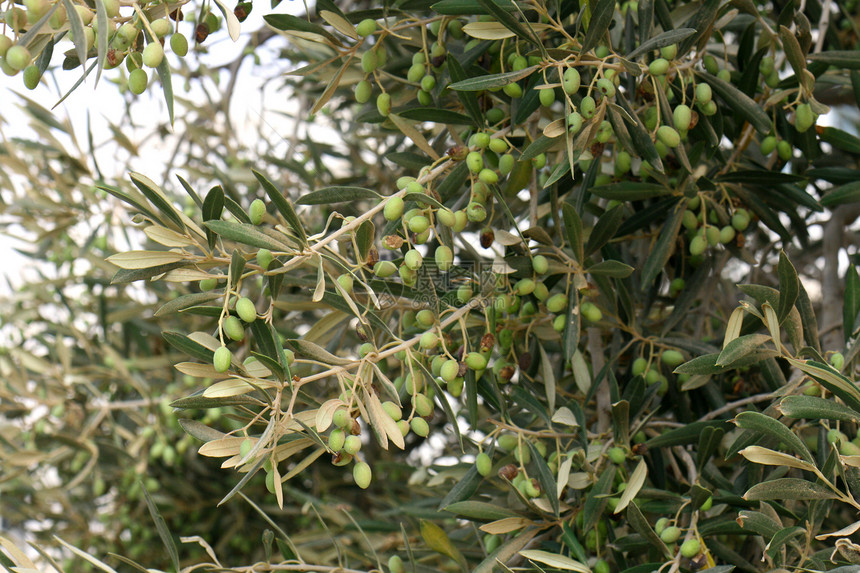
<point>535,285</point>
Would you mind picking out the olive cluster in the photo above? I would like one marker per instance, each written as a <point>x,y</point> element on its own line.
<point>132,38</point>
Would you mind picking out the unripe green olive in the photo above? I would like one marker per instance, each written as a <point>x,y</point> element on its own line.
<point>256,211</point>
<point>768,145</point>
<point>365,349</point>
<point>222,358</point>
<point>587,107</point>
<point>153,54</point>
<point>444,257</point>
<point>524,287</point>
<point>5,43</point>
<point>369,61</point>
<point>393,209</point>
<point>617,455</point>
<point>362,475</point>
<point>639,366</point>
<point>590,312</point>
<point>682,116</point>
<point>413,259</point>
<point>689,220</point>
<point>546,96</point>
<point>661,524</point>
<point>429,340</point>
<point>395,564</point>
<point>556,303</point>
<point>425,318</point>
<point>669,52</point>
<point>246,310</point>
<point>233,328</point>
<point>784,150</point>
<point>423,405</point>
<point>475,361</point>
<point>160,27</point>
<point>450,370</point>
<point>420,427</point>
<point>341,418</point>
<point>346,282</point>
<point>208,284</point>
<point>690,548</point>
<point>712,234</point>
<point>18,57</point>
<point>488,176</point>
<point>508,442</point>
<point>570,81</point>
<point>366,27</point>
<point>658,67</point>
<point>475,161</point>
<point>383,103</point>
<point>352,444</point>
<point>384,269</point>
<point>671,534</point>
<point>179,44</point>
<point>672,358</point>
<point>804,117</point>
<point>484,464</point>
<point>498,145</point>
<point>363,91</point>
<point>513,90</point>
<point>606,87</point>
<point>393,410</point>
<point>415,73</point>
<point>668,136</point>
<point>476,212</point>
<point>264,258</point>
<point>703,93</point>
<point>540,264</point>
<point>698,245</point>
<point>707,504</point>
<point>727,234</point>
<point>741,219</point>
<point>677,285</point>
<point>336,439</point>
<point>837,360</point>
<point>33,75</point>
<point>418,224</point>
<point>574,122</point>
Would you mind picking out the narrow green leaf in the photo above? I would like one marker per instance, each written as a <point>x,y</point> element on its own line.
<point>842,59</point>
<point>463,489</point>
<point>642,142</point>
<point>76,27</point>
<point>288,22</point>
<point>283,205</point>
<point>601,16</point>
<point>638,522</point>
<point>850,302</point>
<point>181,342</point>
<point>663,248</point>
<point>688,434</point>
<point>538,146</point>
<point>467,98</point>
<point>814,408</point>
<point>506,551</point>
<point>102,39</point>
<point>611,268</point>
<point>237,265</point>
<point>788,488</point>
<point>466,7</point>
<point>490,81</point>
<point>759,422</point>
<point>788,286</point>
<point>480,510</point>
<point>161,527</point>
<point>573,226</point>
<point>793,52</point>
<point>605,228</point>
<point>828,377</point>
<point>247,234</point>
<point>157,197</point>
<point>506,19</point>
<point>438,115</point>
<point>661,40</point>
<point>545,478</point>
<point>187,300</point>
<point>841,195</point>
<point>840,139</point>
<point>740,347</point>
<point>595,501</point>
<point>337,194</point>
<point>709,442</point>
<point>702,21</point>
<point>125,276</point>
<point>739,102</point>
<point>213,206</point>
<point>760,177</point>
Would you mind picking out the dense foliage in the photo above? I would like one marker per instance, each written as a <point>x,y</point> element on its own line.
<point>534,286</point>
